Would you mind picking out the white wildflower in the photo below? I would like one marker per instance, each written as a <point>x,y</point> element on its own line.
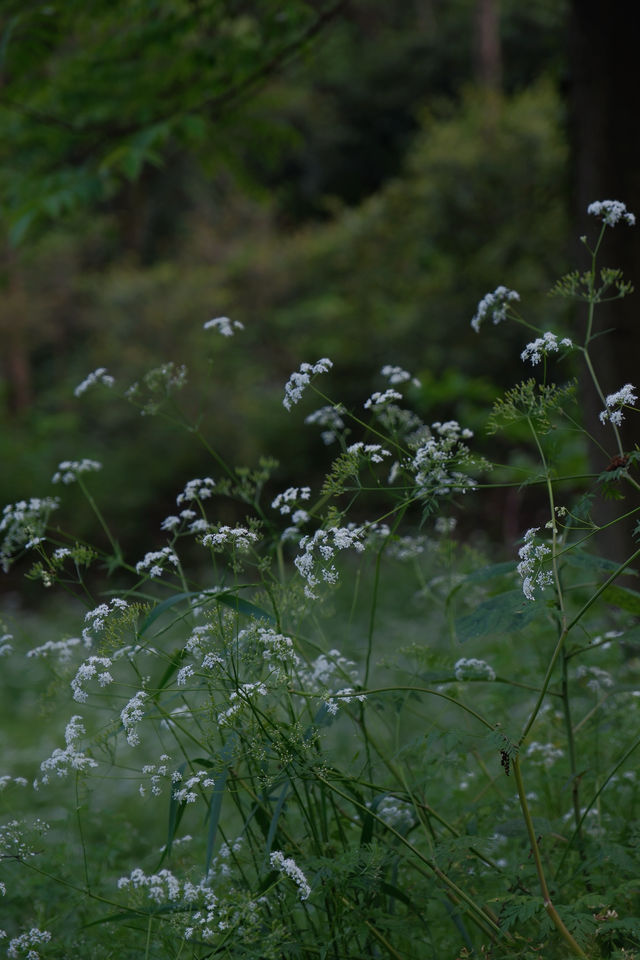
<point>196,490</point>
<point>398,375</point>
<point>542,346</point>
<point>331,418</point>
<point>69,470</point>
<point>294,387</point>
<point>61,761</point>
<point>62,648</point>
<point>26,942</point>
<point>238,538</point>
<point>85,672</point>
<point>445,525</point>
<point>611,212</point>
<point>624,397</point>
<point>22,523</point>
<point>378,398</point>
<point>186,793</point>
<point>435,458</point>
<point>495,305</point>
<point>371,451</point>
<point>596,678</point>
<point>223,325</point>
<point>289,867</point>
<point>131,715</point>
<point>396,813</point>
<point>184,673</point>
<point>97,376</point>
<point>530,567</point>
<point>544,754</point>
<point>314,563</point>
<point>286,500</point>
<point>472,669</point>
<point>156,560</point>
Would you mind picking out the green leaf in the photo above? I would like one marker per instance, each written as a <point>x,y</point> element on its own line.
<point>227,598</point>
<point>589,561</point>
<point>623,598</point>
<point>506,613</point>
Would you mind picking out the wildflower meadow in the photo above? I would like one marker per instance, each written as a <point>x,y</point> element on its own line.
<point>336,721</point>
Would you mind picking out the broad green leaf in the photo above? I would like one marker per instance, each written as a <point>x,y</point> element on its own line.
<point>589,561</point>
<point>622,597</point>
<point>505,613</point>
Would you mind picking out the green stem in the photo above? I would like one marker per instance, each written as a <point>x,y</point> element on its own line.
<point>535,852</point>
<point>562,638</point>
<point>478,914</point>
<point>575,780</point>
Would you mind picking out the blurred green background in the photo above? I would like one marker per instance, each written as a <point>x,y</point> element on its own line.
<point>345,179</point>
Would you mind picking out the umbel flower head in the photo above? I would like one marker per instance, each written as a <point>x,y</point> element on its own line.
<point>624,397</point>
<point>494,305</point>
<point>611,212</point>
<point>294,387</point>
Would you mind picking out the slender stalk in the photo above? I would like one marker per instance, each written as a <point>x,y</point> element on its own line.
<point>554,916</point>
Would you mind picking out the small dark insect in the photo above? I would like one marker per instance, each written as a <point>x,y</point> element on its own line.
<point>618,462</point>
<point>504,761</point>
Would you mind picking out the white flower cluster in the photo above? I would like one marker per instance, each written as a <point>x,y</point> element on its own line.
<point>162,886</point>
<point>543,346</point>
<point>6,779</point>
<point>157,773</point>
<point>5,646</point>
<point>370,451</point>
<point>97,376</point>
<point>17,839</point>
<point>61,761</point>
<point>86,671</point>
<point>544,754</point>
<point>407,547</point>
<point>284,502</point>
<point>294,387</point>
<point>196,490</point>
<point>473,669</point>
<point>240,698</point>
<point>156,560</point>
<point>495,305</point>
<point>379,398</point>
<point>433,461</point>
<point>530,566</point>
<point>346,695</point>
<point>597,680</point>
<point>611,212</point>
<point>63,648</point>
<point>398,375</point>
<point>445,525</point>
<point>314,562</point>
<point>624,397</point>
<point>223,325</point>
<point>69,470</point>
<point>24,523</point>
<point>289,867</point>
<point>95,619</point>
<point>25,943</point>
<point>131,715</point>
<point>238,538</point>
<point>396,813</point>
<point>186,793</point>
<point>277,648</point>
<point>209,917</point>
<point>331,418</point>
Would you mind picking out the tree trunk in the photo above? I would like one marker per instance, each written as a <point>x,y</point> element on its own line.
<point>605,142</point>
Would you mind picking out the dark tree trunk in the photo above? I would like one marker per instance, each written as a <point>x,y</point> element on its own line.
<point>488,51</point>
<point>604,56</point>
